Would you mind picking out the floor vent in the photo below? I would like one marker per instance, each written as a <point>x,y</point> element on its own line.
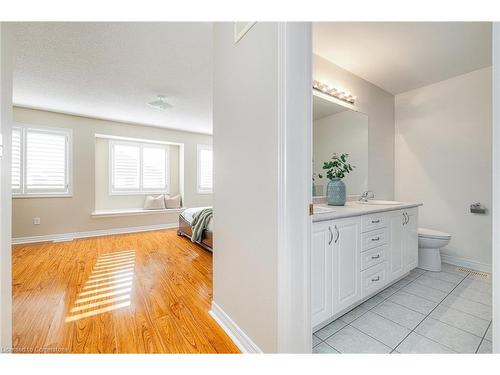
<point>475,274</point>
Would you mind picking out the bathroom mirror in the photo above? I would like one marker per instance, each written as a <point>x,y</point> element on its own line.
<point>339,129</point>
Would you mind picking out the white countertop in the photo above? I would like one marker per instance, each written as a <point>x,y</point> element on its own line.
<point>354,208</point>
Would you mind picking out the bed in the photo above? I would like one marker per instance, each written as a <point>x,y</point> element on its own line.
<point>185,220</point>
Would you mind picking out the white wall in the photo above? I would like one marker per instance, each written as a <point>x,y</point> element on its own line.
<point>343,132</point>
<point>245,179</point>
<point>5,191</point>
<point>68,215</point>
<point>443,159</point>
<point>379,106</point>
<point>262,177</point>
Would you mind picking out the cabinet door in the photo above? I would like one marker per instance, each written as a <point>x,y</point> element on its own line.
<point>396,254</point>
<point>346,262</point>
<point>321,272</point>
<point>410,240</point>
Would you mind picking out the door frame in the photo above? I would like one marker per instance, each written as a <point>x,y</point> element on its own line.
<point>495,271</point>
<point>6,119</point>
<point>294,186</point>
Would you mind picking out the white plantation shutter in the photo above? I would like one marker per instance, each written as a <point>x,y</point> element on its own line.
<point>16,160</point>
<point>154,161</point>
<point>138,168</point>
<point>126,167</point>
<point>40,161</point>
<point>205,173</point>
<point>45,161</point>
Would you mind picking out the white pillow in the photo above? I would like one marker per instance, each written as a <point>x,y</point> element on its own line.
<point>154,203</point>
<point>173,202</point>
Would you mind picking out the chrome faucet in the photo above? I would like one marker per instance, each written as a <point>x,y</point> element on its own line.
<point>368,194</point>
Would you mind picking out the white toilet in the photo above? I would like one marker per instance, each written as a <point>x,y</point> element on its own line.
<point>430,243</point>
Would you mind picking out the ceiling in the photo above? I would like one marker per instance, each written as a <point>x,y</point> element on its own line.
<point>323,108</point>
<point>402,56</point>
<point>112,70</point>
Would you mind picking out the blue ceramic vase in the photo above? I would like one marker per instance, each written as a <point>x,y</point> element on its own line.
<point>335,192</point>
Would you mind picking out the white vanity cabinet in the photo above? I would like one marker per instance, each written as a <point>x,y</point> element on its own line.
<point>321,272</point>
<point>396,220</point>
<point>346,249</point>
<point>403,241</point>
<point>335,262</point>
<point>410,239</point>
<point>355,257</point>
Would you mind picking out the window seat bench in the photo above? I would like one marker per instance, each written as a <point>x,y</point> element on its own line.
<point>134,212</point>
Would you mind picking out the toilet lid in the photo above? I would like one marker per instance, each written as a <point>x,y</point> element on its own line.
<point>430,233</point>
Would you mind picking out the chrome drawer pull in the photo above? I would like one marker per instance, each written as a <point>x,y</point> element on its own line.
<point>376,256</point>
<point>375,221</point>
<point>376,239</point>
<point>376,278</point>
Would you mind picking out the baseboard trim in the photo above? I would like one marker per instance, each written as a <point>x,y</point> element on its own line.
<point>95,233</point>
<point>239,337</point>
<point>467,263</point>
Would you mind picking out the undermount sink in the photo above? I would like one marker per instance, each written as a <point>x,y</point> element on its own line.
<point>379,202</point>
<point>322,210</point>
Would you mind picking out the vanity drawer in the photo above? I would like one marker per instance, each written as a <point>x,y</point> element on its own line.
<point>373,239</point>
<point>373,221</point>
<point>373,256</point>
<point>373,279</point>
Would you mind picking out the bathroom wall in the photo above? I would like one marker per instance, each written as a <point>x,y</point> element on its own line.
<point>379,106</point>
<point>73,214</point>
<point>443,159</point>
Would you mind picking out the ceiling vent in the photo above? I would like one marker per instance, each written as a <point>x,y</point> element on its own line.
<point>160,103</point>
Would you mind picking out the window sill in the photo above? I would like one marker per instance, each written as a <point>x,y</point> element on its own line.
<point>134,212</point>
<point>204,192</point>
<point>27,196</point>
<point>144,193</point>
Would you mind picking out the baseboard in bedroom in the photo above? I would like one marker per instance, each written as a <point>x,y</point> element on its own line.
<point>62,237</point>
<point>466,263</point>
<point>239,337</point>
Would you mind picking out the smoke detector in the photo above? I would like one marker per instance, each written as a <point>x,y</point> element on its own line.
<point>160,103</point>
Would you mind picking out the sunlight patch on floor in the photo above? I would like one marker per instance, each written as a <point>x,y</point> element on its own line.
<point>108,287</point>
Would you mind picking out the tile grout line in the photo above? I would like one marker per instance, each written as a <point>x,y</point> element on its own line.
<point>364,333</point>
<point>484,335</point>
<point>466,277</point>
<point>413,330</point>
<point>383,300</point>
<point>439,304</point>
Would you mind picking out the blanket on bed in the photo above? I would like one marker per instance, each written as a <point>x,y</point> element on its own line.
<point>200,223</point>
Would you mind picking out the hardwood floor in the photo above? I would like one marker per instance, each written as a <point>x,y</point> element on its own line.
<point>156,286</point>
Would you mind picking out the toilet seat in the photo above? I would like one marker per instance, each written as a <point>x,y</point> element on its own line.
<point>430,233</point>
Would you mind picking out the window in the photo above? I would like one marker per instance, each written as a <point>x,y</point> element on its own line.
<point>41,161</point>
<point>138,168</point>
<point>205,178</point>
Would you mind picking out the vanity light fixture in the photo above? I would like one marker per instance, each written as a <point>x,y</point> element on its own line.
<point>332,91</point>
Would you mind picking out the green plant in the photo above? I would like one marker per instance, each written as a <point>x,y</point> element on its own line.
<point>319,175</point>
<point>338,166</point>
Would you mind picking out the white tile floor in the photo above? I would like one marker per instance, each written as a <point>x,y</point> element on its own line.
<point>425,312</point>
